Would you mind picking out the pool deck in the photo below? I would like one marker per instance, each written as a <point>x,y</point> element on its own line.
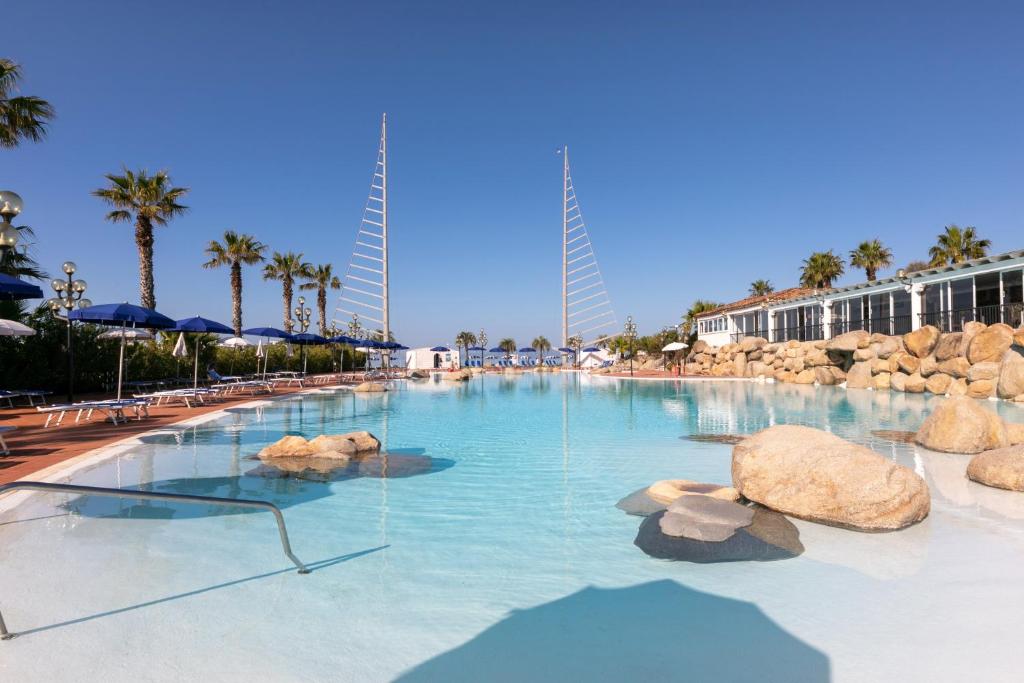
<point>35,448</point>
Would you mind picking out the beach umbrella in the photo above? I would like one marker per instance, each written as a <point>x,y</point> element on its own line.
<point>441,349</point>
<point>129,334</point>
<point>12,328</point>
<point>496,349</point>
<point>124,316</point>
<point>476,348</point>
<point>11,288</point>
<point>527,349</point>
<point>259,349</point>
<point>234,343</point>
<point>308,339</point>
<point>179,352</point>
<point>675,346</point>
<point>591,349</point>
<point>201,326</point>
<point>266,333</point>
<point>566,349</point>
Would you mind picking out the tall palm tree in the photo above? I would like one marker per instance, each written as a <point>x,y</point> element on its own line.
<point>236,251</point>
<point>322,278</point>
<point>150,200</point>
<point>871,255</point>
<point>464,340</point>
<point>286,268</point>
<point>915,266</point>
<point>508,345</point>
<point>21,118</point>
<point>542,344</point>
<point>957,245</point>
<point>575,343</point>
<point>821,269</point>
<point>761,288</point>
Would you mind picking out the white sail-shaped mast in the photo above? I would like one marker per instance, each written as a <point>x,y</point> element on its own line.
<point>586,307</point>
<point>364,289</point>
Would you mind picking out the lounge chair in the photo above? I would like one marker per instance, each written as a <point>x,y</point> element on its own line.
<point>217,377</point>
<point>30,396</point>
<point>4,450</point>
<point>115,410</point>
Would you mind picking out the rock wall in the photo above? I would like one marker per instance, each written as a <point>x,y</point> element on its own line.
<point>980,362</point>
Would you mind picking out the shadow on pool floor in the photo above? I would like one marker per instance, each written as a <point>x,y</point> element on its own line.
<point>658,631</point>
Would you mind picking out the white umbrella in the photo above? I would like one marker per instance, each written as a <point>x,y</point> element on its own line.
<point>259,350</point>
<point>235,343</point>
<point>180,350</point>
<point>675,346</point>
<point>129,334</point>
<point>12,328</point>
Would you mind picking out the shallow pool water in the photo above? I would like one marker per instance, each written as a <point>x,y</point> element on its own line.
<point>495,552</point>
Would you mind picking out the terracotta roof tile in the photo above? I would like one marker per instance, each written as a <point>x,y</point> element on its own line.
<point>776,297</point>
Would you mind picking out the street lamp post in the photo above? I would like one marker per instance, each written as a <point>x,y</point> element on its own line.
<point>69,295</point>
<point>630,333</point>
<point>482,341</point>
<point>303,315</point>
<point>10,206</point>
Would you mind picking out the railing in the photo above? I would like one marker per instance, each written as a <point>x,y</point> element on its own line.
<point>736,336</point>
<point>799,333</point>
<point>954,320</point>
<point>286,546</point>
<point>891,325</point>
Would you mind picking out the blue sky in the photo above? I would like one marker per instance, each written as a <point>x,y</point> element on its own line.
<point>712,142</point>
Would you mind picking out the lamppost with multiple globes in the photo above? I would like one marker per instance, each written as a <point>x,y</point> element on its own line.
<point>303,315</point>
<point>69,295</point>
<point>481,339</point>
<point>10,206</point>
<point>630,333</point>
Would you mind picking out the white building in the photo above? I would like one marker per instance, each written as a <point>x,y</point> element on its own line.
<point>987,290</point>
<point>425,359</point>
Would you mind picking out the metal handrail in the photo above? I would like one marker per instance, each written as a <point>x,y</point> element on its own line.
<point>153,495</point>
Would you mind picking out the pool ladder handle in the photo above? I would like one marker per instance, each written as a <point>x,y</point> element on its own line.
<point>286,546</point>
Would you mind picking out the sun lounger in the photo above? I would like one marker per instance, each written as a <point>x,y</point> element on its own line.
<point>4,450</point>
<point>31,396</point>
<point>114,410</point>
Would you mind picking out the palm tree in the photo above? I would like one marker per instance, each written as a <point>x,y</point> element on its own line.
<point>696,308</point>
<point>151,200</point>
<point>508,345</point>
<point>21,118</point>
<point>542,344</point>
<point>575,343</point>
<point>957,245</point>
<point>761,288</point>
<point>236,251</point>
<point>871,255</point>
<point>464,340</point>
<point>820,269</point>
<point>286,268</point>
<point>915,266</point>
<point>321,279</point>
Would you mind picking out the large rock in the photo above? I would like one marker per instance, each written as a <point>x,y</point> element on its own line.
<point>982,388</point>
<point>815,475</point>
<point>751,343</point>
<point>985,370</point>
<point>898,381</point>
<point>921,342</point>
<point>929,366</point>
<point>823,375</point>
<point>804,377</point>
<point>703,518</point>
<point>849,342</point>
<point>907,363</point>
<point>990,344</point>
<point>770,536</point>
<point>859,376</point>
<point>369,387</point>
<point>668,491</point>
<point>338,446</point>
<point>1015,433</point>
<point>1011,373</point>
<point>1002,468</point>
<point>457,376</point>
<point>323,447</point>
<point>888,346</point>
<point>287,447</point>
<point>957,366</point>
<point>419,374</point>
<point>961,425</point>
<point>958,387</point>
<point>739,365</point>
<point>949,346</point>
<point>938,383</point>
<point>882,380</point>
<point>915,384</point>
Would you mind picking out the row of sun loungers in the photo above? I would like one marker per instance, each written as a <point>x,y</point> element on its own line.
<point>115,410</point>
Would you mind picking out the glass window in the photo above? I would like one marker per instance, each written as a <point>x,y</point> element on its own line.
<point>987,289</point>
<point>1012,292</point>
<point>963,294</point>
<point>901,311</point>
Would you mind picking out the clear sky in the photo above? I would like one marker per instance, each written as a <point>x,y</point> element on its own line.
<point>712,143</point>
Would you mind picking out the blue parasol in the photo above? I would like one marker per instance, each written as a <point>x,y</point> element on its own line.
<point>201,326</point>
<point>12,288</point>
<point>591,349</point>
<point>527,349</point>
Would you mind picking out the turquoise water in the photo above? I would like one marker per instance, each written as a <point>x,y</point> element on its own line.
<point>494,551</point>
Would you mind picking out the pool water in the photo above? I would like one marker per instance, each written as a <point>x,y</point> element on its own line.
<point>494,550</point>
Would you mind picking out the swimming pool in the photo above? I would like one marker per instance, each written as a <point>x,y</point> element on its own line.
<point>494,550</point>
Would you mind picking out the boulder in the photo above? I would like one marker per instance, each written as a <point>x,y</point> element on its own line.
<point>337,446</point>
<point>907,363</point>
<point>864,354</point>
<point>921,342</point>
<point>898,381</point>
<point>938,383</point>
<point>823,375</point>
<point>849,342</point>
<point>838,375</point>
<point>700,346</point>
<point>970,330</point>
<point>929,366</point>
<point>990,344</point>
<point>985,370</point>
<point>287,447</point>
<point>369,387</point>
<point>667,491</point>
<point>859,376</point>
<point>949,346</point>
<point>770,536</point>
<point>817,358</point>
<point>804,377</point>
<point>817,476</point>
<point>1002,468</point>
<point>752,343</point>
<point>960,425</point>
<point>457,376</point>
<point>640,503</point>
<point>1011,373</point>
<point>880,365</point>
<point>1015,433</point>
<point>983,388</point>
<point>364,442</point>
<point>915,384</point>
<point>739,365</point>
<point>888,346</point>
<point>1018,336</point>
<point>958,387</point>
<point>703,518</point>
<point>957,366</point>
<point>882,380</point>
<point>419,374</point>
<point>323,447</point>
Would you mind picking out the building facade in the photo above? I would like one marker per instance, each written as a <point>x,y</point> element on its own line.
<point>987,290</point>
